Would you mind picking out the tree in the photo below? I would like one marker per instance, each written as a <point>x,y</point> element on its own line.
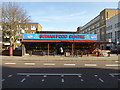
<point>14,19</point>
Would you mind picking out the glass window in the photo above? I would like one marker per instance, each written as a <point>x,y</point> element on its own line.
<point>109,27</point>
<point>26,27</point>
<point>33,27</point>
<point>102,17</point>
<point>117,25</point>
<point>92,27</point>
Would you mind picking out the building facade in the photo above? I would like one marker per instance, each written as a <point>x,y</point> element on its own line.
<point>50,43</point>
<point>98,24</point>
<point>113,31</point>
<point>28,28</point>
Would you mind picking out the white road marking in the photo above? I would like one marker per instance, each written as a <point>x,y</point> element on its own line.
<point>27,75</point>
<point>25,58</point>
<point>10,75</point>
<point>112,65</point>
<point>82,80</point>
<point>90,65</point>
<point>48,64</point>
<point>43,80</point>
<point>101,80</point>
<point>29,63</point>
<point>62,75</point>
<point>52,74</point>
<point>45,76</point>
<point>113,74</point>
<point>23,80</point>
<point>10,63</point>
<point>79,75</point>
<point>62,80</point>
<point>3,80</point>
<point>70,64</point>
<point>18,57</point>
<point>95,75</point>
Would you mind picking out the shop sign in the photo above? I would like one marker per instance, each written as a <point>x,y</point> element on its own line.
<point>61,36</point>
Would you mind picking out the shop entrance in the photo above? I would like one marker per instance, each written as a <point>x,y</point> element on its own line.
<point>59,48</point>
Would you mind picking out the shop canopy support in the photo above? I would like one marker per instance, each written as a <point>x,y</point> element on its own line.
<point>72,48</point>
<point>48,49</point>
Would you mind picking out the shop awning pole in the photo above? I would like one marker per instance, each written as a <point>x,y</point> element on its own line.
<point>48,49</point>
<point>72,48</point>
<point>100,46</point>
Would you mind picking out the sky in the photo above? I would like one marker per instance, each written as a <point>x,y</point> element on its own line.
<point>64,16</point>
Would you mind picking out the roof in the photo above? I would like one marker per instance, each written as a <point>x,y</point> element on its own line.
<point>56,32</point>
<point>64,40</point>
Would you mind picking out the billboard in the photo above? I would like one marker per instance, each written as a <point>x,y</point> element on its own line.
<point>44,36</point>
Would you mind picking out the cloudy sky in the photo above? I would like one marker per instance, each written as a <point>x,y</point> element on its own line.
<point>64,16</point>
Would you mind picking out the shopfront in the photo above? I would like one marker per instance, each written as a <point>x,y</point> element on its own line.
<point>58,44</point>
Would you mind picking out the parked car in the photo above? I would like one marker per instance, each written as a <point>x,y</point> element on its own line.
<point>115,51</point>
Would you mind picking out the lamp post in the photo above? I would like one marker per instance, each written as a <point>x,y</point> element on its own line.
<point>110,44</point>
<point>72,47</point>
<point>23,47</point>
<point>117,46</point>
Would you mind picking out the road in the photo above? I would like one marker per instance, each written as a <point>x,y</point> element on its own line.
<point>60,77</point>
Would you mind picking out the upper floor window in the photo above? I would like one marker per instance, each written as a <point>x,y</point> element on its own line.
<point>92,27</point>
<point>33,27</point>
<point>102,23</point>
<point>102,17</point>
<point>117,25</point>
<point>109,27</point>
<point>26,27</point>
<point>18,27</point>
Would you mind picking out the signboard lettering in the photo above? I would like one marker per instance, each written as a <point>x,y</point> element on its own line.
<point>61,36</point>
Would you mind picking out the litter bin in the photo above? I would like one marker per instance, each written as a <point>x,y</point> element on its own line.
<point>109,54</point>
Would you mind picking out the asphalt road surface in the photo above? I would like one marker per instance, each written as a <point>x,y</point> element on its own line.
<point>60,78</point>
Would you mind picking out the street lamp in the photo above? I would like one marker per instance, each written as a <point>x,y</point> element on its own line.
<point>110,43</point>
<point>117,46</point>
<point>23,47</point>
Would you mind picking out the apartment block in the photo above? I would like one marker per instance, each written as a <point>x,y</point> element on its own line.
<point>113,31</point>
<point>28,28</point>
<point>98,24</point>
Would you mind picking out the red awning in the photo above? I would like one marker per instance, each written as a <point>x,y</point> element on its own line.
<point>62,40</point>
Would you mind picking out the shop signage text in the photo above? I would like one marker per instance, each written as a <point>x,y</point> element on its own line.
<point>61,36</point>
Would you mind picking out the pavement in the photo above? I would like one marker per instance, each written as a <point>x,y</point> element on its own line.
<point>58,57</point>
